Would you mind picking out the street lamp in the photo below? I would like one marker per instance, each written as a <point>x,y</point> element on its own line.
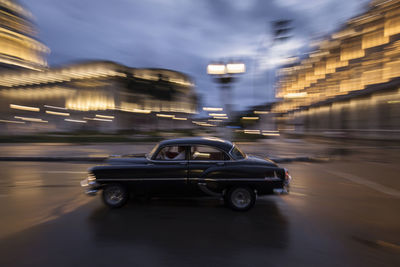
<point>224,74</point>
<point>226,69</point>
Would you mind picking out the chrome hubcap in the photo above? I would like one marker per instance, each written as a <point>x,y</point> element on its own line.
<point>114,195</point>
<point>241,198</point>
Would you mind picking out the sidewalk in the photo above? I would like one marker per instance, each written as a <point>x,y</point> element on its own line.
<point>279,151</point>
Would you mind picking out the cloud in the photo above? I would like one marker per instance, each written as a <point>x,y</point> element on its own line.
<point>185,35</point>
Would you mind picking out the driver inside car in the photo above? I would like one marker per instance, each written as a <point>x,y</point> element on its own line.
<point>181,153</point>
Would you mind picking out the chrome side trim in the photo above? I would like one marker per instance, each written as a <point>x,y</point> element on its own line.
<point>144,179</point>
<point>272,179</point>
<point>268,179</point>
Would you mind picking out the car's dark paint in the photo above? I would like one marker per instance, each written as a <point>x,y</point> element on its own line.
<point>148,176</point>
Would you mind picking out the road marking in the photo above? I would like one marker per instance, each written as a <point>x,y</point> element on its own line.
<point>70,172</point>
<point>367,183</point>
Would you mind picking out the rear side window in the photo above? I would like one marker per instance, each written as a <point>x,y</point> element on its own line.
<point>207,153</point>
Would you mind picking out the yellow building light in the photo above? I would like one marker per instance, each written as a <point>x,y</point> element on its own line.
<point>57,113</point>
<point>104,116</point>
<point>212,109</point>
<point>24,108</point>
<point>97,119</point>
<point>374,39</point>
<point>48,106</point>
<point>220,117</point>
<point>250,118</point>
<point>30,119</point>
<point>295,95</point>
<point>16,122</point>
<point>352,50</point>
<point>252,131</point>
<point>165,115</point>
<point>392,26</point>
<point>78,121</point>
<point>271,134</point>
<point>143,111</point>
<point>217,114</point>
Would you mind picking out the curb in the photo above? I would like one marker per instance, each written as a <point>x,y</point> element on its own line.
<point>102,159</point>
<point>55,159</point>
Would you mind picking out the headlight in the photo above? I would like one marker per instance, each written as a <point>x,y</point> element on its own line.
<point>91,177</point>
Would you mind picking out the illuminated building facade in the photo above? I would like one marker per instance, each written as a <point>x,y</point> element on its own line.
<point>19,47</point>
<point>350,84</point>
<point>93,96</point>
<point>96,95</point>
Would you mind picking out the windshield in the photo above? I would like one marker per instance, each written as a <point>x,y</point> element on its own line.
<point>151,153</point>
<point>237,153</point>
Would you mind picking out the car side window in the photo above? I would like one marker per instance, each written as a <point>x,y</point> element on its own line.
<point>207,153</point>
<point>172,153</point>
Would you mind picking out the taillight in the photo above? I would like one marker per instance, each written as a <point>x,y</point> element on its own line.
<point>287,175</point>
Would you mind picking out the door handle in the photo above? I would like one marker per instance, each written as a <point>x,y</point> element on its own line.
<point>220,163</point>
<point>182,163</point>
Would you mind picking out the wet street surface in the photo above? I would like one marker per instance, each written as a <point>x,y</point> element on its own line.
<point>342,213</point>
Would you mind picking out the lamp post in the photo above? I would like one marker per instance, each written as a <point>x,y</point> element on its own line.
<point>225,74</point>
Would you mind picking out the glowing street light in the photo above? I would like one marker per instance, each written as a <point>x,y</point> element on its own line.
<point>235,68</point>
<point>224,74</point>
<point>216,69</point>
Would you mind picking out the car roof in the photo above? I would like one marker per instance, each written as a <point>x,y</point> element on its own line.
<point>209,141</point>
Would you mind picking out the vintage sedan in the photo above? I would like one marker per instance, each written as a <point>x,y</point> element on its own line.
<point>188,167</point>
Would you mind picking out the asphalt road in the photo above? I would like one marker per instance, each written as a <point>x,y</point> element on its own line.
<point>343,213</point>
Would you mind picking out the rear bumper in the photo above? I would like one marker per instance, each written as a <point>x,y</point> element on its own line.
<point>286,184</point>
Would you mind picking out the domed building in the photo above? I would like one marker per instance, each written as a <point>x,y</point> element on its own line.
<point>19,48</point>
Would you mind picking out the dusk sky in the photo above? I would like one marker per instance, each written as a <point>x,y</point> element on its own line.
<point>186,35</point>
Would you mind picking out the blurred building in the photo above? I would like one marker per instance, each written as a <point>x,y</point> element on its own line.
<point>19,47</point>
<point>96,95</point>
<point>89,96</point>
<point>349,85</point>
<point>257,121</point>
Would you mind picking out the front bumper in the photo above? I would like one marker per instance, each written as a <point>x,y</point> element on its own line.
<point>91,187</point>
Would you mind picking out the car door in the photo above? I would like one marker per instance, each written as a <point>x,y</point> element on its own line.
<point>168,172</point>
<point>207,165</point>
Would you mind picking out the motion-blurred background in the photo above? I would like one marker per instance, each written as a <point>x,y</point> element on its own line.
<point>328,69</point>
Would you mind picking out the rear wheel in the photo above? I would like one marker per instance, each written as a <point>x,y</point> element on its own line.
<point>240,198</point>
<point>115,195</point>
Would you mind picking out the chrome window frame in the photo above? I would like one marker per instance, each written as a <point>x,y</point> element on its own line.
<point>188,154</point>
<point>230,153</point>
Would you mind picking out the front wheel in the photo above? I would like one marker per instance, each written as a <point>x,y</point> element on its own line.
<point>240,198</point>
<point>115,195</point>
